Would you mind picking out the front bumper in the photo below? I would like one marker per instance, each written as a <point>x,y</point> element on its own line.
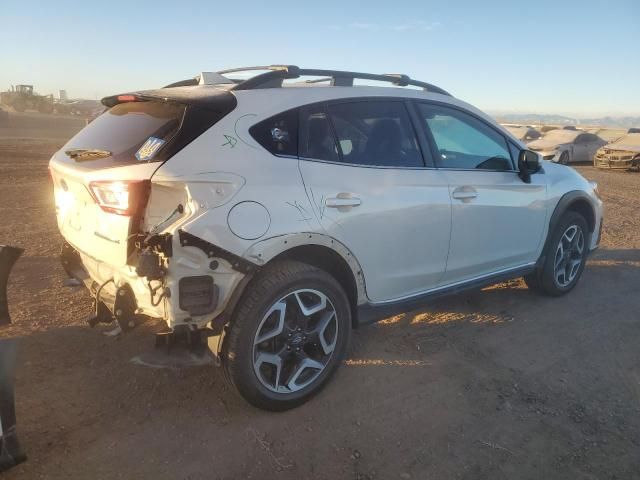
<point>616,161</point>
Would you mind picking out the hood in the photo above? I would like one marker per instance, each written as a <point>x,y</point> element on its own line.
<point>544,145</point>
<point>623,148</point>
<point>630,143</point>
<point>554,139</point>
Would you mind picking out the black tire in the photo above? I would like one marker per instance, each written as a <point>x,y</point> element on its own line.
<point>273,283</point>
<point>564,158</point>
<point>533,282</point>
<point>544,280</point>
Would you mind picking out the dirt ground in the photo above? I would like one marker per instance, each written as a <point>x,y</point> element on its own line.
<point>491,384</point>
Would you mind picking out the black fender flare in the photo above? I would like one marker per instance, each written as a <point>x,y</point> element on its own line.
<point>8,256</point>
<point>567,202</point>
<point>10,452</point>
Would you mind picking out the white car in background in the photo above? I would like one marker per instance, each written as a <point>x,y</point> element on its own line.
<point>523,133</point>
<point>272,219</point>
<point>567,146</point>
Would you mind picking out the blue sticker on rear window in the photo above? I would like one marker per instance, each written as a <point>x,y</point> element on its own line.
<point>149,149</point>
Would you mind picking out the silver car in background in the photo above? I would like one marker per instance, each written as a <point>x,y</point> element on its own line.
<point>566,146</point>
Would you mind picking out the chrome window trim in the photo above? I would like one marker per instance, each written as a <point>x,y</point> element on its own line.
<point>382,167</point>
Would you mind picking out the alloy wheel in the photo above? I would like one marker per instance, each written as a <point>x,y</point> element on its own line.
<point>568,257</point>
<point>295,341</point>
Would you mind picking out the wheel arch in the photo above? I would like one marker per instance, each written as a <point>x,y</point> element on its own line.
<point>321,251</point>
<point>576,201</point>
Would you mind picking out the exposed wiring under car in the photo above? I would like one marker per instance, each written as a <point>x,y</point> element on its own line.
<point>152,294</point>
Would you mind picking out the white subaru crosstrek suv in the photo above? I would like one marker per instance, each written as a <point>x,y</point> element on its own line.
<point>270,215</point>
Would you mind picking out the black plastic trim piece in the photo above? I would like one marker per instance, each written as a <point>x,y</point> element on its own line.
<point>204,96</point>
<point>11,453</point>
<point>8,257</point>
<point>370,312</point>
<point>277,73</point>
<point>562,206</point>
<point>196,285</point>
<point>239,264</point>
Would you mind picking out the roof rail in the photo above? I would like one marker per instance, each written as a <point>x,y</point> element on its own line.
<point>275,74</point>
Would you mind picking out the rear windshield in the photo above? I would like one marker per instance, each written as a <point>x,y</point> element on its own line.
<point>131,132</point>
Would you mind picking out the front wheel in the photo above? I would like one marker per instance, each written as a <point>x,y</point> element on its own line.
<point>566,258</point>
<point>287,336</point>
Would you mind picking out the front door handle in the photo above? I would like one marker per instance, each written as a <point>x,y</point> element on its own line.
<point>464,193</point>
<point>342,201</point>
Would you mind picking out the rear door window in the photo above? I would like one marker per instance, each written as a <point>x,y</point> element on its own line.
<point>375,133</point>
<point>117,137</point>
<point>316,136</point>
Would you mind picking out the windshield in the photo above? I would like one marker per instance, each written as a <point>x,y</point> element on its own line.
<point>561,136</point>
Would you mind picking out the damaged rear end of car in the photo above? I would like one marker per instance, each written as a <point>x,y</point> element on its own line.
<point>121,222</point>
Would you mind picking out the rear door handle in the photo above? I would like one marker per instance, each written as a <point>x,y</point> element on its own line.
<point>342,201</point>
<point>464,193</point>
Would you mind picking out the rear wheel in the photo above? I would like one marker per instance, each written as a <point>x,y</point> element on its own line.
<point>566,258</point>
<point>288,335</point>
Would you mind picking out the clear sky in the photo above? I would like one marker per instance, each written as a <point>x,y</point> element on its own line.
<point>578,58</point>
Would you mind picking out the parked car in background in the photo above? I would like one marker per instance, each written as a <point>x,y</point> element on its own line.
<point>624,153</point>
<point>566,146</point>
<point>523,132</point>
<point>608,134</point>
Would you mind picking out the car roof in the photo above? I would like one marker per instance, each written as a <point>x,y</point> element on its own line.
<point>561,134</point>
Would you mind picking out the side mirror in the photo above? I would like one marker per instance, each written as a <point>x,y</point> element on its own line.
<point>528,163</point>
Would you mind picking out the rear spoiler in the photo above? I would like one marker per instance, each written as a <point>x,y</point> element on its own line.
<point>205,96</point>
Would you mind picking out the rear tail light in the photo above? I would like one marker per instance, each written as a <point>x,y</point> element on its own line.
<point>128,197</point>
